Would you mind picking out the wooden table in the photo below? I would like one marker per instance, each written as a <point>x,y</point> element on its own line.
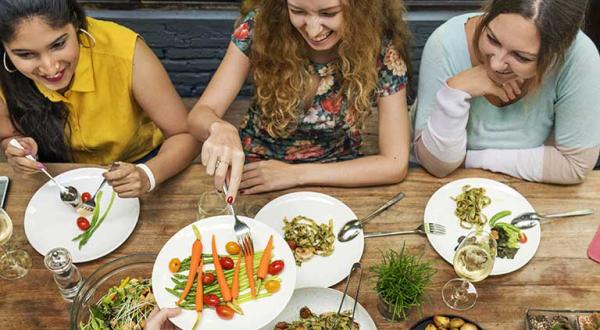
<point>559,276</point>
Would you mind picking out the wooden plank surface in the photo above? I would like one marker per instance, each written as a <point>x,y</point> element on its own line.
<point>559,276</point>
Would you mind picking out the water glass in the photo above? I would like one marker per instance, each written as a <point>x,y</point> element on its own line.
<point>14,263</point>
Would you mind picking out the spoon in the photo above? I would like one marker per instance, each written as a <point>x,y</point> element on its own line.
<point>530,219</point>
<point>353,227</point>
<point>68,194</point>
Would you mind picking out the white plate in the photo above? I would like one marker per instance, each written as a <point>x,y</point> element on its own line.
<point>321,300</point>
<point>440,209</point>
<point>256,313</point>
<point>318,271</point>
<point>49,223</point>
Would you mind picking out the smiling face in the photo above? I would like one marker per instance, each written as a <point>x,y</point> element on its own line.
<point>44,54</point>
<point>319,22</point>
<point>510,45</point>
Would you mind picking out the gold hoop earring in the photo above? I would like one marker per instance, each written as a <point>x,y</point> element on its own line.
<point>90,36</point>
<point>6,65</point>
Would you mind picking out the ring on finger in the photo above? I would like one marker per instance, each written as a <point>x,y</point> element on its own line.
<point>219,162</point>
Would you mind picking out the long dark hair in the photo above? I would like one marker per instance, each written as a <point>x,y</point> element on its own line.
<point>31,113</point>
<point>557,21</point>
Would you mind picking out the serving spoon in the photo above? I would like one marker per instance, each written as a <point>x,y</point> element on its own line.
<point>353,227</point>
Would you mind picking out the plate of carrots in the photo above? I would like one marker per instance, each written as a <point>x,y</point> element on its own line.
<point>237,292</point>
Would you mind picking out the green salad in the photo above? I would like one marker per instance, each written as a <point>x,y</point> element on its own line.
<point>124,307</point>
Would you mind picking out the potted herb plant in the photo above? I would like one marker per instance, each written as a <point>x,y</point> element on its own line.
<point>401,282</point>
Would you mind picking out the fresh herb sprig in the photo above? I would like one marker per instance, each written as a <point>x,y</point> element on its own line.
<point>96,220</point>
<point>402,280</point>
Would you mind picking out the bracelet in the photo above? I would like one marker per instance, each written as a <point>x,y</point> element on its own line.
<point>149,174</point>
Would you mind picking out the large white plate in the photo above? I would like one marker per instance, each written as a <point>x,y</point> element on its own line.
<point>256,313</point>
<point>440,208</point>
<point>49,223</point>
<point>321,300</point>
<point>318,271</point>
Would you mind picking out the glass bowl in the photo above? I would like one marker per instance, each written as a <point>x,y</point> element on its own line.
<point>109,275</point>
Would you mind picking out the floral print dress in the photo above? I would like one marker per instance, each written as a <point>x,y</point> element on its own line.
<point>325,132</point>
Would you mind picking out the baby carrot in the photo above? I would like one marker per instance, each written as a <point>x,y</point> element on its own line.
<point>199,295</point>
<point>249,261</point>
<point>235,285</point>
<point>194,262</point>
<point>219,270</point>
<point>263,267</point>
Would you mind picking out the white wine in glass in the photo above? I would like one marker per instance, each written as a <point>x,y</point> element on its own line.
<point>14,263</point>
<point>473,262</point>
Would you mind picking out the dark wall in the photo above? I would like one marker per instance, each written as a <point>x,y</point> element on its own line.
<point>191,44</point>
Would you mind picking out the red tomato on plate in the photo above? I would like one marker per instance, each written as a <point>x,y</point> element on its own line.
<point>83,223</point>
<point>86,196</point>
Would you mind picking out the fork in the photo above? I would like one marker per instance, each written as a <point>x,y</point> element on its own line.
<point>90,204</point>
<point>424,228</point>
<point>242,231</point>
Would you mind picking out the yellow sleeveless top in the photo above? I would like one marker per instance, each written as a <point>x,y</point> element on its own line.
<point>105,123</point>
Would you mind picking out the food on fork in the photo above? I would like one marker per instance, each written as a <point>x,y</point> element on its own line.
<point>307,238</point>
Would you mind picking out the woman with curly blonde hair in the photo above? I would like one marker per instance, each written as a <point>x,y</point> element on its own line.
<point>319,67</point>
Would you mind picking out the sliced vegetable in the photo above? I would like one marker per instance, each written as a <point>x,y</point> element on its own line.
<point>208,278</point>
<point>220,276</point>
<point>194,263</point>
<point>263,267</point>
<point>199,295</point>
<point>225,312</point>
<point>499,216</point>
<point>83,223</point>
<point>249,261</point>
<point>86,196</point>
<point>232,248</point>
<point>227,263</point>
<point>276,267</point>
<point>211,300</point>
<point>174,265</point>
<point>272,286</point>
<point>235,285</point>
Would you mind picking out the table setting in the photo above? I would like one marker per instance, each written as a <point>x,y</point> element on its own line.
<point>301,253</point>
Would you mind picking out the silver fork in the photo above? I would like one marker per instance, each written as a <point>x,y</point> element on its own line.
<point>424,228</point>
<point>90,204</point>
<point>242,231</point>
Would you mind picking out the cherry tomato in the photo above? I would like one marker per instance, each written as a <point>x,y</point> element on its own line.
<point>292,245</point>
<point>83,223</point>
<point>208,278</point>
<point>522,237</point>
<point>225,312</point>
<point>272,286</point>
<point>174,265</point>
<point>232,248</point>
<point>226,263</point>
<point>276,267</point>
<point>86,196</point>
<point>211,300</point>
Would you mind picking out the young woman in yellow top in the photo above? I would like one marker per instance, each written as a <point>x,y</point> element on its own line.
<point>76,89</point>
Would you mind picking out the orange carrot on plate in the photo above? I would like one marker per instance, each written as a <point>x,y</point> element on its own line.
<point>225,292</point>
<point>199,295</point>
<point>263,267</point>
<point>194,262</point>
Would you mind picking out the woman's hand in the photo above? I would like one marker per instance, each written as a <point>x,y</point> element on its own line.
<point>476,82</point>
<point>222,153</point>
<point>128,180</point>
<point>16,157</point>
<point>159,319</point>
<point>268,175</point>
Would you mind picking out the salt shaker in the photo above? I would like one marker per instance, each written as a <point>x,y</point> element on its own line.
<point>66,275</point>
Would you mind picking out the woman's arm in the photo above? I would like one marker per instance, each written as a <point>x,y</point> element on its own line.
<point>14,156</point>
<point>153,91</point>
<point>221,139</point>
<point>389,166</point>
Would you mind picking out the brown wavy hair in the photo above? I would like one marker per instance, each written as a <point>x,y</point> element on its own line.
<point>557,21</point>
<point>280,58</point>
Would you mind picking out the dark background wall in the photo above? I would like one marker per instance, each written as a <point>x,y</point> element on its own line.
<point>191,43</point>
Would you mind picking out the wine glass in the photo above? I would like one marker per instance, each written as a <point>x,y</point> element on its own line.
<point>211,203</point>
<point>473,262</point>
<point>14,263</point>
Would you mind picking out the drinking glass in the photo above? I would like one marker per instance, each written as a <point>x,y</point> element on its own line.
<point>473,262</point>
<point>14,263</point>
<point>211,203</point>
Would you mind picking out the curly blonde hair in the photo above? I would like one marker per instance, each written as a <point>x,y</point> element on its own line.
<point>280,58</point>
